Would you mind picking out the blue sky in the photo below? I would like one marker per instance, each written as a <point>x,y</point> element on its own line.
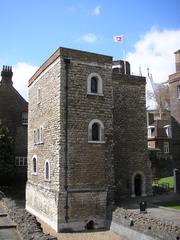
<point>32,30</point>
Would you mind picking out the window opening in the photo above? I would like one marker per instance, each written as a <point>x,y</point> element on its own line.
<point>94,85</point>
<point>95,132</point>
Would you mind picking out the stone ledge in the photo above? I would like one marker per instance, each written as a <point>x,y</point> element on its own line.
<point>146,224</point>
<point>27,224</point>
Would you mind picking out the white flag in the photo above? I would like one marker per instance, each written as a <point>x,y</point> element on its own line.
<point>119,39</point>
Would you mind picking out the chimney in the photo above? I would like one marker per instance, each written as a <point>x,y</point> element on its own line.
<point>6,75</point>
<point>177,59</point>
<point>118,67</point>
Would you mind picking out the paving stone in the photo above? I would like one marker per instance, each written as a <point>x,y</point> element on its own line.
<point>9,234</point>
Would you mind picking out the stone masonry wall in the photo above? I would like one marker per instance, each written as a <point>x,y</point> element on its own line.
<point>130,134</point>
<point>41,195</point>
<point>89,164</point>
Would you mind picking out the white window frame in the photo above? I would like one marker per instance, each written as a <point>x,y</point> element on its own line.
<point>168,130</point>
<point>166,147</point>
<point>21,161</point>
<point>150,131</point>
<point>34,172</point>
<point>38,135</point>
<point>149,145</point>
<point>101,131</point>
<point>49,168</point>
<point>99,84</point>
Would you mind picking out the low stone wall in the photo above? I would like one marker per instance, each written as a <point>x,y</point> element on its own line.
<point>27,225</point>
<point>145,224</point>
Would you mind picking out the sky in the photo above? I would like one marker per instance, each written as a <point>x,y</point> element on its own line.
<point>32,30</point>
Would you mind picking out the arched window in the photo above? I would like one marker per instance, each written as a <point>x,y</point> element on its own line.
<point>34,165</point>
<point>94,84</point>
<point>96,131</point>
<point>47,171</point>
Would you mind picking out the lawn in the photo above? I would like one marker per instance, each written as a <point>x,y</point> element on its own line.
<point>172,205</point>
<point>169,180</point>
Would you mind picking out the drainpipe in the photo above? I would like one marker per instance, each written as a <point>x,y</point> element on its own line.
<point>67,63</point>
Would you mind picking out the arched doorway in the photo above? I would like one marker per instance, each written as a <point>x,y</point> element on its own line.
<point>138,185</point>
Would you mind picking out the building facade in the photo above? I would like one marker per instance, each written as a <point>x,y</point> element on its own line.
<point>160,145</point>
<point>14,115</point>
<point>174,85</point>
<point>81,139</point>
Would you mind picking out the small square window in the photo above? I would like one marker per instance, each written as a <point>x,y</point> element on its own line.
<point>21,161</point>
<point>24,118</point>
<point>166,147</point>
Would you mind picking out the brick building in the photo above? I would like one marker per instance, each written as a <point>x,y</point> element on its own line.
<point>13,114</point>
<point>160,145</point>
<point>174,84</point>
<point>86,139</point>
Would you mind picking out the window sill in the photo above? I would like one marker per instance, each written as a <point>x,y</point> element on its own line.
<point>97,142</point>
<point>39,143</point>
<point>46,180</point>
<point>35,174</point>
<point>95,94</point>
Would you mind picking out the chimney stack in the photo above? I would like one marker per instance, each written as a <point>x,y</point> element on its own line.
<point>177,57</point>
<point>6,75</point>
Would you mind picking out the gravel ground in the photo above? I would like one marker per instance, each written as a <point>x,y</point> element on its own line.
<point>98,235</point>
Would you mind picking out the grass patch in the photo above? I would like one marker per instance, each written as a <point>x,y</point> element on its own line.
<point>172,205</point>
<point>169,180</point>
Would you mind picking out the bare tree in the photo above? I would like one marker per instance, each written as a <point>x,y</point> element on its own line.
<point>161,97</point>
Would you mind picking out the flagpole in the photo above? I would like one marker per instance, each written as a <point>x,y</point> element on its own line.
<point>124,54</point>
<point>120,39</point>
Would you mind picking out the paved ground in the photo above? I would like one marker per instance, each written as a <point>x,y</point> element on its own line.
<point>166,214</point>
<point>7,227</point>
<point>154,206</point>
<point>98,235</point>
<point>9,234</point>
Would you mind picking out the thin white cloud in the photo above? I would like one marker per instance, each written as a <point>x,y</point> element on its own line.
<point>89,38</point>
<point>21,74</point>
<point>72,9</point>
<point>97,10</point>
<point>155,50</point>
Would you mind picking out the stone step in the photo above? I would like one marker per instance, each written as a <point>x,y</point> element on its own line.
<point>5,222</point>
<point>2,209</point>
<point>9,234</point>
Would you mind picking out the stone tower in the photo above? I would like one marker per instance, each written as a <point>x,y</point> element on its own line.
<point>132,170</point>
<point>70,140</point>
<point>74,102</point>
